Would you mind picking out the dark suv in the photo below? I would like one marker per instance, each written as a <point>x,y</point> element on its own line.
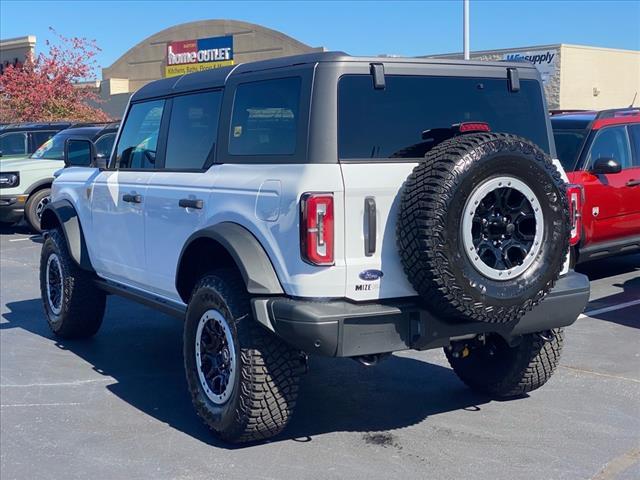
<point>22,139</point>
<point>25,183</point>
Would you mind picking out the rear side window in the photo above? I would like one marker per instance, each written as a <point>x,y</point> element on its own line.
<point>139,137</point>
<point>635,140</point>
<point>193,130</point>
<point>265,117</point>
<point>13,143</point>
<point>389,123</point>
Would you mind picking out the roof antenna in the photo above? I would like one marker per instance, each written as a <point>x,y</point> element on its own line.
<point>634,99</point>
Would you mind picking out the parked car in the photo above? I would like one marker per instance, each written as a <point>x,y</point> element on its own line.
<point>601,152</point>
<point>324,204</point>
<point>22,139</point>
<point>25,183</point>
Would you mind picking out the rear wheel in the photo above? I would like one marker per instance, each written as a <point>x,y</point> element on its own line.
<point>35,206</point>
<point>73,304</point>
<point>242,378</point>
<point>504,371</point>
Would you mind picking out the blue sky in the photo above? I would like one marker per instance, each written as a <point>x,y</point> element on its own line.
<point>358,28</point>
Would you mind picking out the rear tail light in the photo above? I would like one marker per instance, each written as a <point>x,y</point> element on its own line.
<point>316,228</point>
<point>574,194</point>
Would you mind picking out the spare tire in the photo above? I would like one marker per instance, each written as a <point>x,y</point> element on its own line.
<point>483,227</point>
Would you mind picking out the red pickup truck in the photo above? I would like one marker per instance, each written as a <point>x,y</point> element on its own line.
<point>601,152</point>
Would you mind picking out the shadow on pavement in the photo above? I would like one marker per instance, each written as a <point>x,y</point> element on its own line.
<point>20,228</point>
<point>609,267</point>
<point>630,316</point>
<point>142,351</point>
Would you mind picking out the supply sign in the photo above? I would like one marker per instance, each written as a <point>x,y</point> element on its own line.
<point>546,61</point>
<point>188,56</point>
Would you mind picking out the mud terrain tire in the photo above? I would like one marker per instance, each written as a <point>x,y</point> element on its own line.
<point>509,253</point>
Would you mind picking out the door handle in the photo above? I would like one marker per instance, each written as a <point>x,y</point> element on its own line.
<point>131,198</point>
<point>633,183</point>
<point>191,203</point>
<point>370,218</point>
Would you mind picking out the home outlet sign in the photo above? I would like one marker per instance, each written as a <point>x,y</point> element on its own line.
<point>188,56</point>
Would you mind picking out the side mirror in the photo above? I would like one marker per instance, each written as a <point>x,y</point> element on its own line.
<point>101,161</point>
<point>79,153</point>
<point>603,166</point>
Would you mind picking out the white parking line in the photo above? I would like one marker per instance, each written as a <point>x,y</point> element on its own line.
<point>20,239</point>
<point>612,308</point>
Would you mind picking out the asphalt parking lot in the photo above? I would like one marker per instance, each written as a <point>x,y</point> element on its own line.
<point>116,406</point>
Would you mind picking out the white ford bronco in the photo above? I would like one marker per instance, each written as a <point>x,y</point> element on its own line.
<point>324,204</point>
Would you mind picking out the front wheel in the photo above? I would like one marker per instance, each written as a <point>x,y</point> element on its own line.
<point>504,371</point>
<point>73,304</point>
<point>35,206</point>
<point>243,379</point>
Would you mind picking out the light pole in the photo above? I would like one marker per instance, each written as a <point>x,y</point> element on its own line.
<point>465,28</point>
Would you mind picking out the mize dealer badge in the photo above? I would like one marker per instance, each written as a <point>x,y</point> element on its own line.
<point>188,56</point>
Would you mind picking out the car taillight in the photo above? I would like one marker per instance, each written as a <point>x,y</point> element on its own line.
<point>316,228</point>
<point>574,194</point>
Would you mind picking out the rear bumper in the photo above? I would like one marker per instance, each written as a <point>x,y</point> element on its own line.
<point>345,329</point>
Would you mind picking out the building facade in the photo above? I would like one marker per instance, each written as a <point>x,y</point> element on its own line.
<point>574,76</point>
<point>577,77</point>
<point>191,47</point>
<point>15,51</point>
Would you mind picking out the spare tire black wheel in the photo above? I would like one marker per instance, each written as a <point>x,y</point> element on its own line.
<point>483,227</point>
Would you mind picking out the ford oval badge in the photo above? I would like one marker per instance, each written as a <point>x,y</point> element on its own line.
<point>370,275</point>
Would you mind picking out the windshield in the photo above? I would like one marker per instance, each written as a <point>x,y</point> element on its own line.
<point>52,149</point>
<point>568,143</point>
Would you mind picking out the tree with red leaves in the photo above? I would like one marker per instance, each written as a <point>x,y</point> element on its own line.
<point>46,88</point>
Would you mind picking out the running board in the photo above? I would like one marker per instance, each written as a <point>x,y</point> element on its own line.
<point>146,299</point>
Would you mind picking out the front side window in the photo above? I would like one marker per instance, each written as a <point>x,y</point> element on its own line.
<point>400,120</point>
<point>52,149</point>
<point>611,143</point>
<point>265,117</point>
<point>13,143</point>
<point>104,144</point>
<point>193,129</point>
<point>139,138</point>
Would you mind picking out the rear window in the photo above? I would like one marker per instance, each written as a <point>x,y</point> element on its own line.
<point>389,123</point>
<point>568,146</point>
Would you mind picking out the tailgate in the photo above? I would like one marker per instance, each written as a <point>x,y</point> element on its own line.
<point>379,184</point>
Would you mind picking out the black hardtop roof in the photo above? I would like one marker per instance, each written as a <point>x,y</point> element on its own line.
<point>63,125</point>
<point>34,126</point>
<point>218,77</point>
<point>89,132</point>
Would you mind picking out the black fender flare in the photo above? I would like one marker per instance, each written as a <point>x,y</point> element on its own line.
<point>40,183</point>
<point>248,254</point>
<point>63,214</point>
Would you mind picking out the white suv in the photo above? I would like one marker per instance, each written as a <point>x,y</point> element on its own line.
<point>324,204</point>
